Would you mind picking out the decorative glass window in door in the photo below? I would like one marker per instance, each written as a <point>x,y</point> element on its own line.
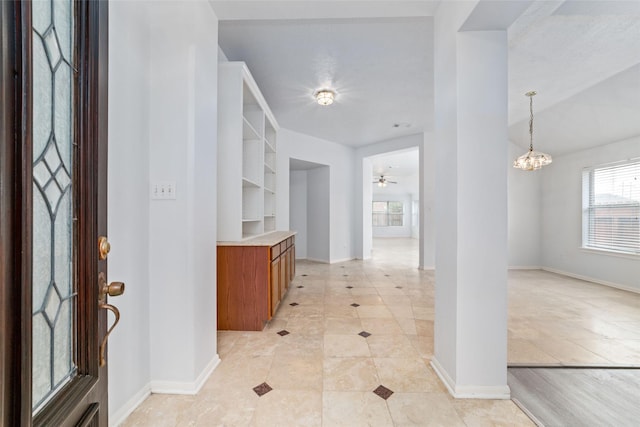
<point>53,293</point>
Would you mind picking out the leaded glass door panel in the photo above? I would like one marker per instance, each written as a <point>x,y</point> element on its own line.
<point>54,302</point>
<point>53,192</point>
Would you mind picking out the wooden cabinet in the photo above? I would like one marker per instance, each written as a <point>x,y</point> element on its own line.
<point>247,133</point>
<point>275,286</point>
<point>253,280</point>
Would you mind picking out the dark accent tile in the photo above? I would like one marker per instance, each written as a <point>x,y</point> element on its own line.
<point>293,304</point>
<point>304,275</point>
<point>283,332</point>
<point>383,392</point>
<point>345,275</point>
<point>300,287</point>
<point>349,287</point>
<point>355,304</point>
<point>262,389</point>
<point>387,275</point>
<point>342,266</point>
<point>364,334</point>
<point>398,287</point>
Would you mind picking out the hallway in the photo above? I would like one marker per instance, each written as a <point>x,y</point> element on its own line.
<point>322,372</point>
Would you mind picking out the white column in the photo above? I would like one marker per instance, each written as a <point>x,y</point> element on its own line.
<point>427,197</point>
<point>182,232</point>
<point>470,353</point>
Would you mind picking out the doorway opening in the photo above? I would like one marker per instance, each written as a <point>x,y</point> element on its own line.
<point>309,193</point>
<point>391,207</point>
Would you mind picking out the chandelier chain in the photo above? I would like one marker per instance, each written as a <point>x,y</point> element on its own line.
<point>531,123</point>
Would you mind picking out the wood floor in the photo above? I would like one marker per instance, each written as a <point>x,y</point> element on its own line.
<point>578,397</point>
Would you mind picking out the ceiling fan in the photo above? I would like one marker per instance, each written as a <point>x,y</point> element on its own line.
<point>383,181</point>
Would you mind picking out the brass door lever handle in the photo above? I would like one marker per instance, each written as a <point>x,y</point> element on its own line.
<point>113,289</point>
<point>103,345</point>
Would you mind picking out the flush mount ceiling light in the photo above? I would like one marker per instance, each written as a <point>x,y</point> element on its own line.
<point>325,96</point>
<point>531,160</point>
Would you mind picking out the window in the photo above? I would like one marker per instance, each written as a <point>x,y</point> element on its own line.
<point>388,214</point>
<point>611,207</point>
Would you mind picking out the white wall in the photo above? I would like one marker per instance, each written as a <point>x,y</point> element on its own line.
<point>562,218</point>
<point>364,232</point>
<point>162,127</point>
<point>128,202</point>
<point>525,210</point>
<point>395,231</point>
<point>415,216</point>
<point>340,160</point>
<point>318,213</point>
<point>428,202</point>
<point>182,242</point>
<point>298,210</point>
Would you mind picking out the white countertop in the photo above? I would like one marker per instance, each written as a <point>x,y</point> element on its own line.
<point>268,239</point>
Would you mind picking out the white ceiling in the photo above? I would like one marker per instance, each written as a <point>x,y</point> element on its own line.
<point>581,56</point>
<point>399,166</point>
<point>372,64</point>
<point>396,164</point>
<point>303,165</point>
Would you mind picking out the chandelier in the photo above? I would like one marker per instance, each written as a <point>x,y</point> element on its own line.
<point>325,97</point>
<point>531,160</point>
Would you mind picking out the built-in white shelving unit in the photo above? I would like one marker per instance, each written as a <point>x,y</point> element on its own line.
<point>247,170</point>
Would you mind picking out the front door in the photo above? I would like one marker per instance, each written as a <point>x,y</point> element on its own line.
<point>53,310</point>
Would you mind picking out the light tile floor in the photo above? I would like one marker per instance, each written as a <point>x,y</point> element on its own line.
<point>558,320</point>
<point>323,373</point>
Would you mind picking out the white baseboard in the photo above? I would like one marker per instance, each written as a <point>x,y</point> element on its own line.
<point>192,387</point>
<point>593,280</point>
<point>525,267</point>
<point>336,261</point>
<point>427,268</point>
<point>321,261</point>
<point>469,391</point>
<point>121,414</point>
<point>163,387</point>
<point>443,375</point>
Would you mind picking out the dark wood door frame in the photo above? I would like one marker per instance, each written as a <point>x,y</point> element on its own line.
<point>15,363</point>
<point>15,217</point>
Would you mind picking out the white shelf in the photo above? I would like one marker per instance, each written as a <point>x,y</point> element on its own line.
<point>247,133</point>
<point>268,148</point>
<point>247,183</point>
<point>268,167</point>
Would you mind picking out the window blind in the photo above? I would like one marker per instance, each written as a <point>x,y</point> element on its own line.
<point>388,214</point>
<point>611,207</point>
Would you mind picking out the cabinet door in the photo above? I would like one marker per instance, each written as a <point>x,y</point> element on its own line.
<point>293,262</point>
<point>275,285</point>
<point>289,252</point>
<point>283,275</point>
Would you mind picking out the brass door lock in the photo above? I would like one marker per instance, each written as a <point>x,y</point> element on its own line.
<point>104,247</point>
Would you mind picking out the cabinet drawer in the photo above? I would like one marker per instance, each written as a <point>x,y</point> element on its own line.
<point>275,251</point>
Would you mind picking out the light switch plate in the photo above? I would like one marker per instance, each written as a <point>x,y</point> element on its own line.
<point>163,190</point>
